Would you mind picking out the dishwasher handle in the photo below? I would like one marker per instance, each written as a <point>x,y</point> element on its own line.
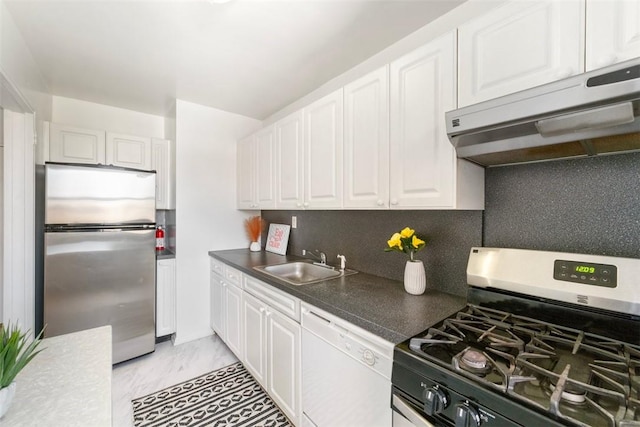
<point>307,312</point>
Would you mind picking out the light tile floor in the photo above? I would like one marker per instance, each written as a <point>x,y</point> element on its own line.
<point>167,366</point>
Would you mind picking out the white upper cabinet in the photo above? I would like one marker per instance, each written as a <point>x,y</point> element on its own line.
<point>323,145</point>
<point>128,151</point>
<point>163,162</point>
<point>613,32</point>
<point>366,141</point>
<point>424,171</point>
<point>68,144</point>
<point>256,170</point>
<point>246,173</point>
<point>265,168</point>
<point>289,162</point>
<point>518,46</point>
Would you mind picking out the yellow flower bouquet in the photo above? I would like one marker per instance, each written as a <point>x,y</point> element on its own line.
<point>405,241</point>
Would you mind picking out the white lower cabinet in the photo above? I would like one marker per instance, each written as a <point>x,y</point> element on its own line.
<point>226,309</point>
<point>283,363</point>
<point>255,338</point>
<point>217,306</point>
<point>261,325</point>
<point>233,319</point>
<point>165,297</point>
<point>272,351</point>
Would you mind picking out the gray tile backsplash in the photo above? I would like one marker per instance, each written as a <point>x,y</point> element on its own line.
<point>587,206</point>
<point>362,236</point>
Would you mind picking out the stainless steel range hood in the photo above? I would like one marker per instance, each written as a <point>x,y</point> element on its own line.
<point>592,113</point>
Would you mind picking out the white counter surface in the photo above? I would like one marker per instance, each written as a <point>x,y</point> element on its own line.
<point>67,384</point>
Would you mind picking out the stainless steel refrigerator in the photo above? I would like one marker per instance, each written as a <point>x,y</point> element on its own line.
<point>99,254</point>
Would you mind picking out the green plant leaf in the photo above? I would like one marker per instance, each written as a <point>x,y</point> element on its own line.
<point>15,352</point>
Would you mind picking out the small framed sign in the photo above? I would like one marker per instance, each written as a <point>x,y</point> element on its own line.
<point>278,238</point>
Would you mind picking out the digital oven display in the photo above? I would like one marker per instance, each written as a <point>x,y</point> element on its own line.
<point>586,273</point>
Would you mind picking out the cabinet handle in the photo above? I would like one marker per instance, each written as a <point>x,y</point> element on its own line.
<point>380,203</point>
<point>261,309</point>
<point>394,201</point>
<point>299,205</point>
<point>268,313</point>
<point>305,204</point>
<point>224,285</point>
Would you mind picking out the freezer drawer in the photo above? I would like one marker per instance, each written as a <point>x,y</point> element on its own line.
<point>98,278</point>
<point>98,195</point>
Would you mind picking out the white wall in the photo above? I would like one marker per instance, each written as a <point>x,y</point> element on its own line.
<point>20,69</point>
<point>206,215</point>
<point>90,115</point>
<point>23,89</point>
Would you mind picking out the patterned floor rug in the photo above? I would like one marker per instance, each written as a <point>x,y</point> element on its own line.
<point>227,397</point>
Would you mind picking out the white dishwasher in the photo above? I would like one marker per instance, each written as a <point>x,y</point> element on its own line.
<point>346,373</point>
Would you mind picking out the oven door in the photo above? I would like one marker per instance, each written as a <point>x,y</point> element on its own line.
<point>404,414</point>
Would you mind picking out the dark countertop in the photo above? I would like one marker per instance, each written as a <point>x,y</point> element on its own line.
<point>165,254</point>
<point>378,305</point>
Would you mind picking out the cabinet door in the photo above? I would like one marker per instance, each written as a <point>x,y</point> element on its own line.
<point>217,306</point>
<point>422,163</point>
<point>518,46</point>
<point>233,320</point>
<point>255,334</point>
<point>246,158</point>
<point>165,297</point>
<point>283,357</point>
<point>162,161</point>
<point>69,144</point>
<point>323,152</point>
<point>366,141</point>
<point>129,151</point>
<point>613,32</point>
<point>289,162</point>
<point>265,168</point>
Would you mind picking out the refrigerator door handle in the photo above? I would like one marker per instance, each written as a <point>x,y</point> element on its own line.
<point>61,228</point>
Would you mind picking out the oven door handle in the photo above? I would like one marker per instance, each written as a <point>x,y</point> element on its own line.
<point>404,408</point>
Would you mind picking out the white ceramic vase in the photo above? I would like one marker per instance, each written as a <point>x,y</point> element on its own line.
<point>254,247</point>
<point>415,281</point>
<point>6,396</point>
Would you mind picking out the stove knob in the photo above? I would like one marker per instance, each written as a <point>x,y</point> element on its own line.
<point>435,400</point>
<point>467,415</point>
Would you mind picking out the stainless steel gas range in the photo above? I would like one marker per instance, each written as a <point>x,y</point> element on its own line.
<point>546,339</point>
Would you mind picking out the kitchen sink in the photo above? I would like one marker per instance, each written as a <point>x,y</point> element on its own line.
<point>302,273</point>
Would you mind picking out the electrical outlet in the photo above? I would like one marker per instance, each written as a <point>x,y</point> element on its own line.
<point>294,222</point>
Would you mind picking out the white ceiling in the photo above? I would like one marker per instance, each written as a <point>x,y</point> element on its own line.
<point>251,57</point>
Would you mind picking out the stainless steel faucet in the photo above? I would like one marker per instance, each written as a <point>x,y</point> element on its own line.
<point>320,256</point>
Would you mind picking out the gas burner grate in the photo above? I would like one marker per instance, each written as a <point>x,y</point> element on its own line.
<point>580,377</point>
